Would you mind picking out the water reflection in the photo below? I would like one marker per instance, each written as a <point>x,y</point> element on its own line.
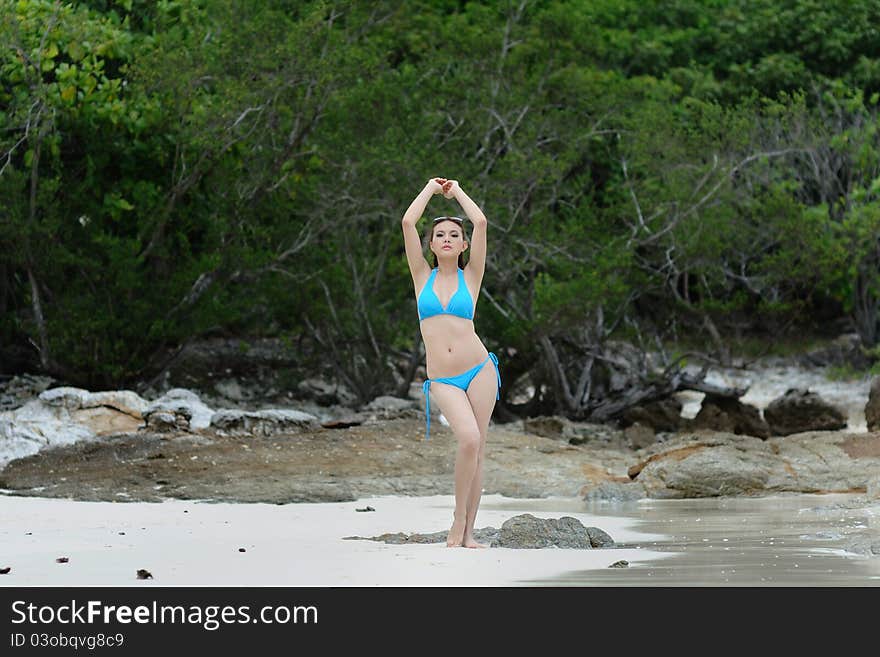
<point>796,540</point>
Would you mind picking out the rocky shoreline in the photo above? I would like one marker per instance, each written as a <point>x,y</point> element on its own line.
<point>381,457</point>
<point>390,457</point>
<point>116,446</point>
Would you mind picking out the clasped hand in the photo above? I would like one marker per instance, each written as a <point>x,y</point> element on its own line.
<point>443,186</point>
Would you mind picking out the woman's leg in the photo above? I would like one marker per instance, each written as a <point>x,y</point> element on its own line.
<point>481,394</point>
<point>456,407</point>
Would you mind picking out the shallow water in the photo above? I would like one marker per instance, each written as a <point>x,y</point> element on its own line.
<point>796,540</point>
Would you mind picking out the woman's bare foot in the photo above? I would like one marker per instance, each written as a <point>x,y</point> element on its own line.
<point>470,542</point>
<point>455,537</point>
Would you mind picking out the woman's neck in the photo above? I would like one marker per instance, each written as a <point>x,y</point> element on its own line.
<point>447,268</point>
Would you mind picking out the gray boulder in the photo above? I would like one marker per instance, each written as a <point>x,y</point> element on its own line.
<point>872,408</point>
<point>391,408</point>
<point>801,410</point>
<point>324,393</point>
<point>726,464</point>
<point>185,406</point>
<point>550,426</point>
<point>262,423</point>
<point>722,470</point>
<point>730,415</point>
<point>661,415</point>
<point>125,401</point>
<point>65,415</point>
<point>388,403</point>
<point>527,531</point>
<point>639,436</point>
<point>20,439</point>
<point>520,532</point>
<point>590,433</point>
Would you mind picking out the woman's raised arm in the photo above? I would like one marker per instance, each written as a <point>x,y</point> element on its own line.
<point>477,260</point>
<point>418,266</point>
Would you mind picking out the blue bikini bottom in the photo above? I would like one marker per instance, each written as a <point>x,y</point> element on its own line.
<point>462,381</point>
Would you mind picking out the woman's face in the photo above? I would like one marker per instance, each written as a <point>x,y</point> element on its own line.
<point>448,239</point>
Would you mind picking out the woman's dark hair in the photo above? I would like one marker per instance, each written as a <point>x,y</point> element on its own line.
<point>455,220</point>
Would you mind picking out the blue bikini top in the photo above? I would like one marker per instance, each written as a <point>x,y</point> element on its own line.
<point>461,304</point>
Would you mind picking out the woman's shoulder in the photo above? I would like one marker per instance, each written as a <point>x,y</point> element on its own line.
<point>471,272</point>
<point>421,278</point>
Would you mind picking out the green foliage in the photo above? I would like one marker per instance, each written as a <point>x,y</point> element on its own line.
<point>172,169</point>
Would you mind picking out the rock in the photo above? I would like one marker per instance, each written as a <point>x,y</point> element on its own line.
<point>101,412</point>
<point>18,390</point>
<point>262,423</point>
<point>872,408</point>
<point>592,433</point>
<point>324,393</point>
<point>34,427</point>
<point>398,538</point>
<point>801,410</point>
<point>661,415</point>
<point>185,405</point>
<point>730,415</point>
<point>167,421</point>
<point>522,532</point>
<point>484,535</point>
<point>387,403</point>
<point>528,532</point>
<point>332,413</point>
<point>704,472</point>
<point>599,538</point>
<point>846,350</point>
<point>124,401</point>
<point>65,397</point>
<point>727,464</point>
<point>639,436</point>
<point>389,408</point>
<point>105,420</point>
<point>549,427</point>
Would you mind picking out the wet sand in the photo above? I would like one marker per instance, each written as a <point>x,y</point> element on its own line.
<point>794,540</point>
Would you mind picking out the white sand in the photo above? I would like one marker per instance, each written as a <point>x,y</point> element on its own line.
<point>186,543</point>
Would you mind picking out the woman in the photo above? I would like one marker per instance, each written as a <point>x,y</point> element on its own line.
<point>463,384</point>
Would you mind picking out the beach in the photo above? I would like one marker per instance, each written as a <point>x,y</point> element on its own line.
<point>795,540</point>
<point>190,543</point>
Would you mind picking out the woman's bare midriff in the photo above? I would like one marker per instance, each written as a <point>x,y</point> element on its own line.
<point>451,346</point>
